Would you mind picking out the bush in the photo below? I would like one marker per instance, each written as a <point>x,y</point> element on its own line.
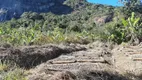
<point>16,74</point>
<point>132,5</point>
<point>130,31</point>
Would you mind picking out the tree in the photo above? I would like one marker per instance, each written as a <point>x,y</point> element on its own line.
<point>132,5</point>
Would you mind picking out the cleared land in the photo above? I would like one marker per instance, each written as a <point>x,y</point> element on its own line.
<point>95,61</point>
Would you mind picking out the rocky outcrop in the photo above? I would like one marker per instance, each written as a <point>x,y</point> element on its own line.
<point>14,8</point>
<point>103,19</point>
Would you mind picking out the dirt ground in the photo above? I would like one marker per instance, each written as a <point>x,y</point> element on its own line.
<point>94,61</point>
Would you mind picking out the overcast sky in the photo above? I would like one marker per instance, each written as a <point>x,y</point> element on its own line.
<point>109,2</point>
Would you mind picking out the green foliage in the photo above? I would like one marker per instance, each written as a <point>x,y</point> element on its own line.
<point>3,66</point>
<point>34,28</point>
<point>35,35</point>
<point>133,28</point>
<point>132,5</point>
<point>17,74</point>
<point>130,31</point>
<point>59,35</point>
<point>10,71</point>
<point>23,36</point>
<point>78,26</point>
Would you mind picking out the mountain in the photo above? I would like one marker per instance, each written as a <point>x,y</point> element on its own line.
<point>14,8</point>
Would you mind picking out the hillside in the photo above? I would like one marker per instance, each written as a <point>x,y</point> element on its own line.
<point>80,17</point>
<point>69,40</point>
<point>76,9</point>
<point>14,8</point>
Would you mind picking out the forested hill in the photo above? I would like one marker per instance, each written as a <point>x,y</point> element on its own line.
<point>60,39</point>
<point>93,21</point>
<point>14,8</point>
<point>47,9</point>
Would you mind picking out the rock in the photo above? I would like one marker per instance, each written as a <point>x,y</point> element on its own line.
<point>99,20</point>
<point>14,8</point>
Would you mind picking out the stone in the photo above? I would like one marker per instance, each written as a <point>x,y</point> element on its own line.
<point>99,20</point>
<point>14,8</point>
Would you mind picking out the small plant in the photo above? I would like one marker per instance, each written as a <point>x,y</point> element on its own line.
<point>17,74</point>
<point>130,31</point>
<point>132,28</point>
<point>3,66</point>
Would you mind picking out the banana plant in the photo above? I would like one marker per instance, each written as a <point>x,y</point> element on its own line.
<point>132,26</point>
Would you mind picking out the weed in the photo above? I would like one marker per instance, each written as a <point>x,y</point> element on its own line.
<point>17,74</point>
<point>3,66</point>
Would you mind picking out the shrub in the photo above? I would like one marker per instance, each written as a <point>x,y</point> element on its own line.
<point>130,31</point>
<point>16,74</point>
<point>132,5</point>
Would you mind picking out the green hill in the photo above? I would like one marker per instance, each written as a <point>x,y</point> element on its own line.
<point>86,23</point>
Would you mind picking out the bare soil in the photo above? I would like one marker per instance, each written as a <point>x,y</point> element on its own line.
<point>94,61</point>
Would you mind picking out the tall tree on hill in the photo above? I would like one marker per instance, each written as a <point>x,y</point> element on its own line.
<point>132,5</point>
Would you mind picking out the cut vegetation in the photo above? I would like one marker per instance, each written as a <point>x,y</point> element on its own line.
<point>92,42</point>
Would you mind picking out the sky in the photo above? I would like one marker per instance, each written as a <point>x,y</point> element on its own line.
<point>108,2</point>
